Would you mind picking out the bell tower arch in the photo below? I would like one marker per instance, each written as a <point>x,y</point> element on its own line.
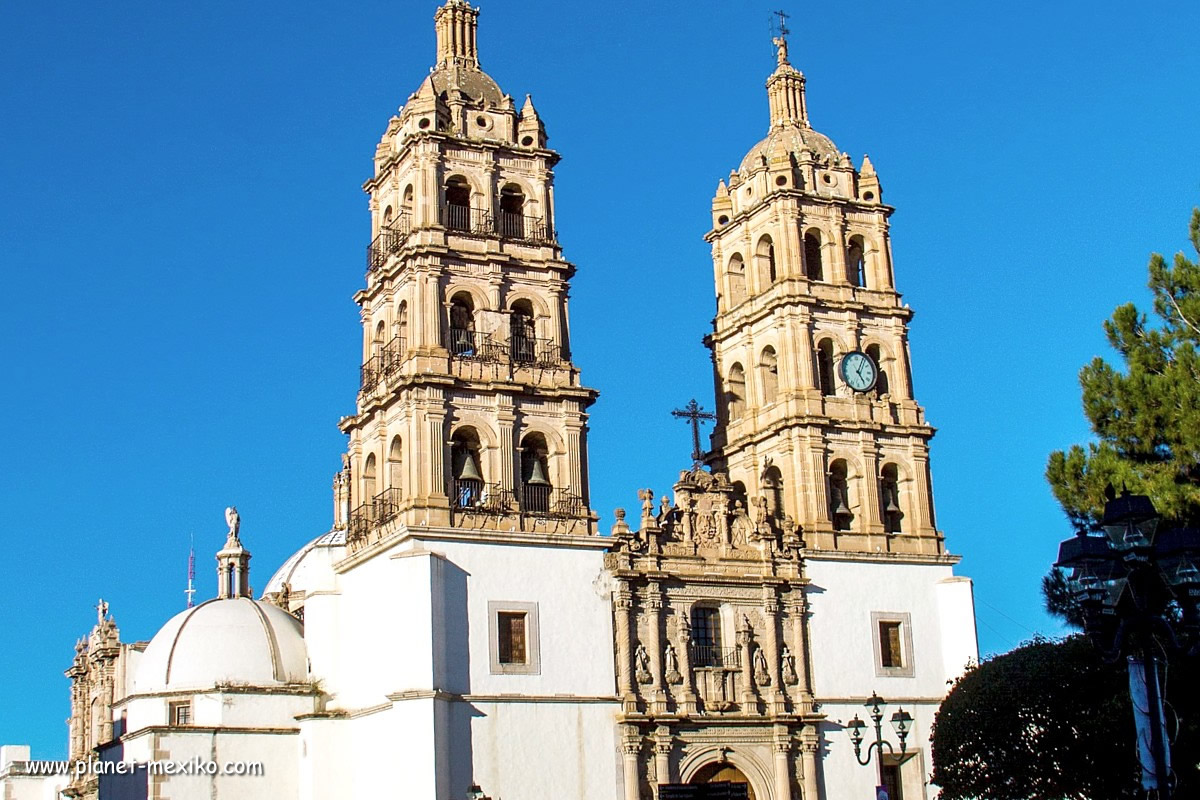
<point>470,413</point>
<point>803,272</point>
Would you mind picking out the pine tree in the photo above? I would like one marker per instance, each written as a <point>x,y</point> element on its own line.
<point>1146,417</point>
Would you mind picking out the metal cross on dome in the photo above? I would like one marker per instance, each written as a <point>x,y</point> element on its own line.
<point>693,413</point>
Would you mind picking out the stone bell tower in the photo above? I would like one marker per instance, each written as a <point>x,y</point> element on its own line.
<point>817,421</point>
<point>470,412</point>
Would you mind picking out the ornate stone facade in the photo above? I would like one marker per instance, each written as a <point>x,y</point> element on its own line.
<point>741,692</point>
<point>100,674</point>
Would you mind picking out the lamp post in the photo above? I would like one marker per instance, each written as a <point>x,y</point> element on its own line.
<point>901,722</point>
<point>1138,589</point>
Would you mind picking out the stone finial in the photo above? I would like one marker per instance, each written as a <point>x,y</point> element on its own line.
<point>867,167</point>
<point>101,612</point>
<point>527,110</point>
<point>722,189</point>
<point>620,527</point>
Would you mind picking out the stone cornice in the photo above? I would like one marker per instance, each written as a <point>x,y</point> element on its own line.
<point>943,559</point>
<point>434,534</point>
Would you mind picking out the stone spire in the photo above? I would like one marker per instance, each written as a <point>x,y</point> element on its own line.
<point>456,23</point>
<point>233,562</point>
<point>785,91</point>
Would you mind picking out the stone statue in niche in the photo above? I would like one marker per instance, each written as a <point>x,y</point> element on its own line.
<point>742,528</point>
<point>789,667</point>
<point>673,674</point>
<point>761,676</point>
<point>642,659</point>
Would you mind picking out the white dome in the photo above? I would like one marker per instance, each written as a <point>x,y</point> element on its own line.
<point>302,569</point>
<point>224,641</point>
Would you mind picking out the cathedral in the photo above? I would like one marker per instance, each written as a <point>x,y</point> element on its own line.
<point>463,629</point>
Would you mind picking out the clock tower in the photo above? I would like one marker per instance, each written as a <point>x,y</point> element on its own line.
<point>818,425</point>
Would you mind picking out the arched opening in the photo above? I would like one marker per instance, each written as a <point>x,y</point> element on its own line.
<point>839,496</point>
<point>462,325</point>
<point>407,203</point>
<point>881,382</point>
<point>768,374</point>
<point>889,499</point>
<point>765,254</point>
<point>706,635</point>
<point>535,474</point>
<point>512,212</point>
<point>369,486</point>
<point>387,217</point>
<point>856,265</point>
<point>812,256</point>
<point>379,339</point>
<point>772,486</point>
<point>458,203</point>
<point>735,392</point>
<point>466,469</point>
<point>825,367</point>
<point>724,772</point>
<point>404,221</point>
<point>737,280</point>
<point>522,336</point>
<point>395,465</point>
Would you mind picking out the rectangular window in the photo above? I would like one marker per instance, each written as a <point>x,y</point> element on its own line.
<point>891,781</point>
<point>180,713</point>
<point>891,634</point>
<point>511,637</point>
<point>891,654</point>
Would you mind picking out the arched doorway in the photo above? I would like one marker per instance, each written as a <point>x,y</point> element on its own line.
<point>723,773</point>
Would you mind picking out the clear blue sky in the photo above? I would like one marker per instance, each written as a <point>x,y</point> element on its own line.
<point>182,228</point>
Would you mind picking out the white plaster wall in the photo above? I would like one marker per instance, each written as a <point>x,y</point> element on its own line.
<point>571,744</point>
<point>278,753</point>
<point>22,787</point>
<point>842,596</point>
<point>211,709</point>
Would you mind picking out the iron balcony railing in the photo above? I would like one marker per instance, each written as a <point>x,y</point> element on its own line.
<point>474,346</point>
<point>538,352</point>
<point>385,363</point>
<point>381,508</point>
<point>505,224</point>
<point>389,241</point>
<point>713,656</point>
<point>543,500</point>
<point>465,219</point>
<point>472,494</point>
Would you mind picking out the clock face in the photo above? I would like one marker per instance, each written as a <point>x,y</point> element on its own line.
<point>859,371</point>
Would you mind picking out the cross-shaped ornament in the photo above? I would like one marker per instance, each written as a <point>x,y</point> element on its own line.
<point>693,413</point>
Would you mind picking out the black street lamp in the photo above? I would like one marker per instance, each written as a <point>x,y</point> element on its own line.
<point>1138,589</point>
<point>901,721</point>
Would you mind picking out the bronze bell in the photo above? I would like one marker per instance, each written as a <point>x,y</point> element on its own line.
<point>892,508</point>
<point>538,474</point>
<point>468,470</point>
<point>841,509</point>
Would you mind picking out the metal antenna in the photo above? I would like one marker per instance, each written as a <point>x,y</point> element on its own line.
<point>190,591</point>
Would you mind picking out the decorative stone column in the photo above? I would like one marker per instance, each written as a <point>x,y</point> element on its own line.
<point>781,748</point>
<point>809,752</point>
<point>653,605</point>
<point>624,612</point>
<point>662,755</point>
<point>631,747</point>
<point>771,644</point>
<point>798,609</point>
<point>687,707</point>
<point>745,638</point>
